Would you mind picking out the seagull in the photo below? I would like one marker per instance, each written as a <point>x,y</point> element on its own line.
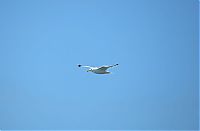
<point>98,70</point>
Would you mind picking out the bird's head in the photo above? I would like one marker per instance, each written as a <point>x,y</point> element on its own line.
<point>89,70</point>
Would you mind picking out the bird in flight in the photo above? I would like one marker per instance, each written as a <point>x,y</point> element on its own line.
<point>98,70</point>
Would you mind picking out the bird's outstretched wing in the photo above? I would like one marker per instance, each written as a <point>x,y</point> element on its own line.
<point>106,67</point>
<point>85,66</point>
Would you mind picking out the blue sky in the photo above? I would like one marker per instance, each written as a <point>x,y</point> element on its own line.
<point>155,85</point>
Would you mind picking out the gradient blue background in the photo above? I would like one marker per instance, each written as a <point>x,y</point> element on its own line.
<point>154,41</point>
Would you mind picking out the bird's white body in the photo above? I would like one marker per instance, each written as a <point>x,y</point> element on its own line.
<point>98,70</point>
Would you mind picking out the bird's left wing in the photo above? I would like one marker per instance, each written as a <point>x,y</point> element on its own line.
<point>85,66</point>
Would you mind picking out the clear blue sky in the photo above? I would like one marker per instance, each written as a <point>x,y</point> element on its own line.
<point>154,41</point>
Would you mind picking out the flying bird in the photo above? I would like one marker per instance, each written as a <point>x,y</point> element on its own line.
<point>98,70</point>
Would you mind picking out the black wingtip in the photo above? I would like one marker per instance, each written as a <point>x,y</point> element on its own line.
<point>79,65</point>
<point>116,64</point>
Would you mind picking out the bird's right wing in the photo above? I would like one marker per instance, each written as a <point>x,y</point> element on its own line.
<point>106,67</point>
